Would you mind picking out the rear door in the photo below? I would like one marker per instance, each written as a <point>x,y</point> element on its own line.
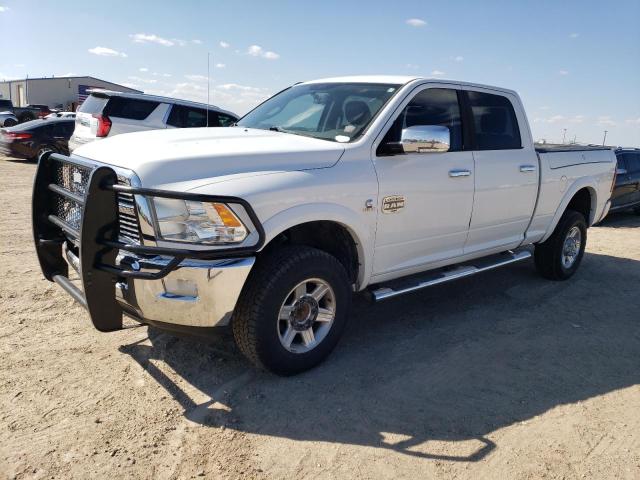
<point>506,171</point>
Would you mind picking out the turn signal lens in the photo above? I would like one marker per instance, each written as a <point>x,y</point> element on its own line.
<point>226,215</point>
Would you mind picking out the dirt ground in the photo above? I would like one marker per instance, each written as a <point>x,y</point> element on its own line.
<point>504,375</point>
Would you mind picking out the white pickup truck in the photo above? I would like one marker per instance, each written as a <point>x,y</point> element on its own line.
<point>379,183</point>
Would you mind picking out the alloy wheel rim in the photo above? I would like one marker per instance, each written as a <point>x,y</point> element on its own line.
<point>571,247</point>
<point>306,315</point>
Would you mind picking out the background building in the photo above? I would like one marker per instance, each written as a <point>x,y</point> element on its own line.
<point>56,92</point>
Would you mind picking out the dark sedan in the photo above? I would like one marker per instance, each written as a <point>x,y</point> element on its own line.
<point>31,139</point>
<point>626,193</point>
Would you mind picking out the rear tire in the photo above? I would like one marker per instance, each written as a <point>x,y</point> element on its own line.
<point>560,255</point>
<point>283,321</point>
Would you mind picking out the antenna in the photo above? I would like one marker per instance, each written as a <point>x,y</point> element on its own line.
<point>208,83</point>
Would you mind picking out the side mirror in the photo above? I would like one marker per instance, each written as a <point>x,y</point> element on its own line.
<point>426,139</point>
<point>621,171</point>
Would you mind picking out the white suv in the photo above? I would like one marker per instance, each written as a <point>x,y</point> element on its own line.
<point>106,113</point>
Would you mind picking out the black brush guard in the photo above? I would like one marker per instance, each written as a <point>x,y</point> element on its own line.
<point>97,237</point>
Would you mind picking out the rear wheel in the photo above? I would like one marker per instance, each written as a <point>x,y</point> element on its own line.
<point>292,310</point>
<point>560,255</point>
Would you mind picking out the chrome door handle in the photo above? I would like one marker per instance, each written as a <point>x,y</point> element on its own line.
<point>527,168</point>
<point>459,173</point>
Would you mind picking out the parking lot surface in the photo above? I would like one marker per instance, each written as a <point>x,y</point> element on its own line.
<point>504,375</point>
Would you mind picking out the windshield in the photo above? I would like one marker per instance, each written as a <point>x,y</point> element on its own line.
<point>339,112</point>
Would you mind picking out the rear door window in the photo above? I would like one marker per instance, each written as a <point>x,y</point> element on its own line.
<point>494,120</point>
<point>633,162</point>
<point>191,117</point>
<point>130,108</point>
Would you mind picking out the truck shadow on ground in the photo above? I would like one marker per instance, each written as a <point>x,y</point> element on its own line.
<point>451,364</point>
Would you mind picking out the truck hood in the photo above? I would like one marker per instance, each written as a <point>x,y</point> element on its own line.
<point>163,157</point>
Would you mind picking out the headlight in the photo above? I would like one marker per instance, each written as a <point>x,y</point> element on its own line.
<point>197,222</point>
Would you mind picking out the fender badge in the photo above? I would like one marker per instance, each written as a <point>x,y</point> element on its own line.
<point>392,203</point>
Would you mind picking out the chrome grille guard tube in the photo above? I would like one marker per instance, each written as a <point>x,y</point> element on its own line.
<point>96,235</point>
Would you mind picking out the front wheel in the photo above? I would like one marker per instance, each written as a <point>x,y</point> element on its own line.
<point>560,255</point>
<point>292,310</point>
<point>10,122</point>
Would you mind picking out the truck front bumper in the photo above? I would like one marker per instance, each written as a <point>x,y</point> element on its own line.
<point>198,293</point>
<point>76,223</point>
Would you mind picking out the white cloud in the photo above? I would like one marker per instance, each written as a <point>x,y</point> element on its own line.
<point>179,42</point>
<point>563,72</point>
<point>544,107</point>
<point>437,73</point>
<point>231,96</point>
<point>220,65</point>
<point>224,44</point>
<point>556,119</point>
<point>143,69</point>
<point>4,9</point>
<point>633,121</point>
<point>196,78</point>
<point>605,121</point>
<point>151,38</point>
<point>416,22</point>
<point>235,86</point>
<point>68,74</point>
<point>20,65</point>
<point>258,51</point>
<point>142,80</point>
<point>106,52</point>
<point>135,86</point>
<point>574,35</point>
<point>459,58</point>
<point>561,119</point>
<point>195,41</point>
<point>166,75</point>
<point>413,66</point>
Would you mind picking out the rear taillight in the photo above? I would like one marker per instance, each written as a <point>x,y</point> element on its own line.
<point>17,135</point>
<point>104,125</point>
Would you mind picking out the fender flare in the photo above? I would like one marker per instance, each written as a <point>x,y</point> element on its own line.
<point>313,212</point>
<point>578,185</point>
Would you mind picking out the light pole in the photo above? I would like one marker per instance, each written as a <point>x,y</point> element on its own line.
<point>564,134</point>
<point>605,138</point>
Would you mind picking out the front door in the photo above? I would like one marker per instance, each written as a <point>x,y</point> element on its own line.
<point>425,199</point>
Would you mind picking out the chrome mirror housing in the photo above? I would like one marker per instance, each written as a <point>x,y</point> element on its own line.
<point>426,139</point>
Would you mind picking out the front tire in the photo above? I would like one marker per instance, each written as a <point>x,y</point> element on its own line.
<point>10,122</point>
<point>560,255</point>
<point>293,309</point>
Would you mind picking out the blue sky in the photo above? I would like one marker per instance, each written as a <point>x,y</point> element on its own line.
<point>576,64</point>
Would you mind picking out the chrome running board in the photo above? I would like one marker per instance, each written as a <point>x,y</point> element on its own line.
<point>436,277</point>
